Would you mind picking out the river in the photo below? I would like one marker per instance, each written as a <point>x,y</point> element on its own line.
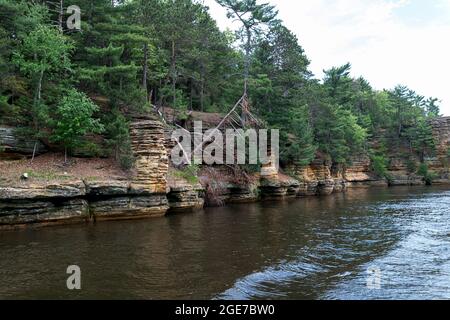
<point>365,244</point>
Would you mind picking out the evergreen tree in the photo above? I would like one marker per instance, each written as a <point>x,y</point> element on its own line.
<point>253,17</point>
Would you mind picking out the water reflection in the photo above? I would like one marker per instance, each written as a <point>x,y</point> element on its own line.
<point>314,248</point>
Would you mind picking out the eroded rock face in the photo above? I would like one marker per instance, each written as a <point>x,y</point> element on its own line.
<point>279,187</point>
<point>11,143</point>
<point>107,188</point>
<point>441,163</point>
<point>242,193</point>
<point>359,173</point>
<point>63,190</point>
<point>44,212</point>
<point>150,193</point>
<point>143,196</point>
<point>184,196</point>
<point>129,207</point>
<point>152,162</point>
<point>315,179</point>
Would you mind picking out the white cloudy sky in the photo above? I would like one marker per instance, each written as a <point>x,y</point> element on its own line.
<point>388,42</point>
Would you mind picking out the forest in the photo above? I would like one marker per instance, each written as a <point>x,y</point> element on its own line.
<point>60,84</point>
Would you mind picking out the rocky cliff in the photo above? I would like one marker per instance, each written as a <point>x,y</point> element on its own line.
<point>155,189</point>
<point>15,146</point>
<point>441,162</point>
<point>144,194</point>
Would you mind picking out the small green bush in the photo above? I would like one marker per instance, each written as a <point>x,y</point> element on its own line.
<point>379,165</point>
<point>126,158</point>
<point>411,166</point>
<point>427,175</point>
<point>88,149</point>
<point>189,173</point>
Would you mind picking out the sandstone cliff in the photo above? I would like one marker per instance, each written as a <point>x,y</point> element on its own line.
<point>155,189</point>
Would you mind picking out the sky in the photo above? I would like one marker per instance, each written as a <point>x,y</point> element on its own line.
<point>388,42</point>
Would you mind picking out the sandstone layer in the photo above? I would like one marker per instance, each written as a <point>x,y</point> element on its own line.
<point>156,189</point>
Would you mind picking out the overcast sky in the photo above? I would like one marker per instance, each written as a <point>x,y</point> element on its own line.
<point>388,42</point>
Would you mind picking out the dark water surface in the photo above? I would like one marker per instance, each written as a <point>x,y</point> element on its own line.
<point>315,248</point>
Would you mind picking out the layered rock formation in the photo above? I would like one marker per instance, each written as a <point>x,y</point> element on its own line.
<point>185,196</point>
<point>12,146</point>
<point>360,174</point>
<point>278,186</point>
<point>75,201</point>
<point>152,162</point>
<point>441,163</point>
<point>94,200</point>
<point>152,191</point>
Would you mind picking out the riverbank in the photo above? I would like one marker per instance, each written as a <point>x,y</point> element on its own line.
<point>92,190</point>
<point>63,198</point>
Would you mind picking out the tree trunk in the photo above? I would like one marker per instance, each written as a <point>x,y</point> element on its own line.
<point>202,87</point>
<point>150,96</point>
<point>247,60</point>
<point>144,77</point>
<point>39,88</point>
<point>61,15</point>
<point>37,99</point>
<point>191,85</point>
<point>202,96</point>
<point>34,151</point>
<point>65,155</point>
<point>246,106</point>
<point>174,81</point>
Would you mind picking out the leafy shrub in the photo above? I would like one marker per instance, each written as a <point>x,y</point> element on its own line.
<point>118,139</point>
<point>75,120</point>
<point>126,158</point>
<point>427,175</point>
<point>189,173</point>
<point>379,165</point>
<point>88,149</point>
<point>411,166</point>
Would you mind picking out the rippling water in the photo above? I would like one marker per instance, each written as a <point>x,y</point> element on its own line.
<point>314,248</point>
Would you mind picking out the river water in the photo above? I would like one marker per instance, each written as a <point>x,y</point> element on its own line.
<point>365,244</point>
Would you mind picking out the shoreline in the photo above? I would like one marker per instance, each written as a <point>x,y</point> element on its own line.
<point>95,190</point>
<point>46,207</point>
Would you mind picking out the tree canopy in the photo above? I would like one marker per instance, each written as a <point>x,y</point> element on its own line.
<point>133,54</point>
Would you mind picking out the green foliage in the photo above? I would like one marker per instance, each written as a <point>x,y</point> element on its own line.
<point>379,165</point>
<point>189,173</point>
<point>338,134</point>
<point>134,54</point>
<point>253,17</point>
<point>411,165</point>
<point>118,139</point>
<point>75,120</point>
<point>43,54</point>
<point>88,149</point>
<point>43,50</point>
<point>427,175</point>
